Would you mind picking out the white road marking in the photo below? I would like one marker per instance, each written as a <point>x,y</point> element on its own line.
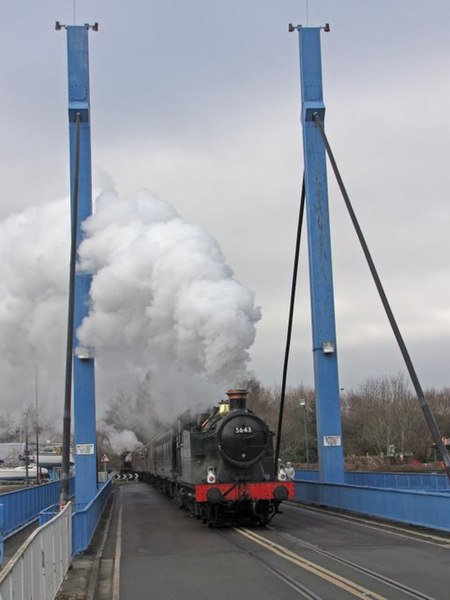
<point>116,576</point>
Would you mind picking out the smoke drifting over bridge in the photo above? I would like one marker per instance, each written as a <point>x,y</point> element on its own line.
<point>164,303</point>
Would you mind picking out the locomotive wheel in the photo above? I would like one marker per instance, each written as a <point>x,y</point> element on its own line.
<point>213,516</point>
<point>179,498</point>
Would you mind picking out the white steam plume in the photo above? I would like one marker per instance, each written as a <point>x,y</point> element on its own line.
<point>33,307</point>
<point>163,303</point>
<point>120,441</point>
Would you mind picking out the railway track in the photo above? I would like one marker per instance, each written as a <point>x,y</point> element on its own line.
<point>316,573</point>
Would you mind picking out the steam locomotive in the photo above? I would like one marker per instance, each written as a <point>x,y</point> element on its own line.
<point>218,465</point>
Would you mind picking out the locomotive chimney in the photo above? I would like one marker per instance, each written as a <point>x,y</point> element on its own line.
<point>237,399</point>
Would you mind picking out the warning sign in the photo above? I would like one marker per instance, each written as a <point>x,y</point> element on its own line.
<point>104,458</point>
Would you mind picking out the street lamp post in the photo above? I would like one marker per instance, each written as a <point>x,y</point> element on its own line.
<point>302,403</point>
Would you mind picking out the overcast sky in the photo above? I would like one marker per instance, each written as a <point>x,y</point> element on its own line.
<point>198,102</point>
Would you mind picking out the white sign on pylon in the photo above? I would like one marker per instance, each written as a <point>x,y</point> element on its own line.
<point>84,449</point>
<point>104,458</point>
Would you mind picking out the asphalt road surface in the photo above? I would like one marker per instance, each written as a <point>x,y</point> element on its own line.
<point>155,550</point>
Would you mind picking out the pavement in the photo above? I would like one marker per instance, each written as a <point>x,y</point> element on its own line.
<point>81,581</point>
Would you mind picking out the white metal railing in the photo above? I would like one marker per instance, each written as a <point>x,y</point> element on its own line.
<point>38,568</point>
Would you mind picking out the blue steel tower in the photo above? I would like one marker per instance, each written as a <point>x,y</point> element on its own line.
<point>85,447</point>
<point>329,428</point>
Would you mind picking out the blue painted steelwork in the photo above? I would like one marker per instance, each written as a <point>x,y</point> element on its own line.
<point>409,481</point>
<point>2,537</point>
<point>83,366</point>
<point>329,428</point>
<point>86,518</point>
<point>48,513</point>
<point>307,475</point>
<point>414,507</point>
<point>22,507</point>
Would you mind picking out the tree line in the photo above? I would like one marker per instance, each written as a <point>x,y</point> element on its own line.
<point>380,418</point>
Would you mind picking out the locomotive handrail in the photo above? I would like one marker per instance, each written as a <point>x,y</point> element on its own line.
<point>231,489</point>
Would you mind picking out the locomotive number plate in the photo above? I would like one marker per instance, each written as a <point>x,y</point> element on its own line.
<point>243,429</point>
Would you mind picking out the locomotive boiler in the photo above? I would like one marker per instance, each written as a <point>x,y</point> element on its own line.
<point>219,465</point>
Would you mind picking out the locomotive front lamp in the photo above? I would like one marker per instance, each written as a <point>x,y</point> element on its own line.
<point>281,472</point>
<point>210,475</point>
<point>328,347</point>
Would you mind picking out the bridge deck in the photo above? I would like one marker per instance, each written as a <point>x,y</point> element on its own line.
<point>149,544</point>
<point>166,550</point>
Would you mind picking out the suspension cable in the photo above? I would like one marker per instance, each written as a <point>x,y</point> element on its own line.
<point>290,321</point>
<point>429,417</point>
<point>65,459</point>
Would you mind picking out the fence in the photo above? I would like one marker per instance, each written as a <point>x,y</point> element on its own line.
<point>409,481</point>
<point>40,565</point>
<point>21,507</point>
<point>413,498</point>
<point>86,518</point>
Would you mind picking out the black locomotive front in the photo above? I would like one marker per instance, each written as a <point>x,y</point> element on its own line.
<point>219,465</point>
<point>243,445</point>
<point>243,440</point>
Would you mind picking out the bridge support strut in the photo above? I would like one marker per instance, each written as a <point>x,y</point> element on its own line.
<point>329,427</point>
<point>85,447</point>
